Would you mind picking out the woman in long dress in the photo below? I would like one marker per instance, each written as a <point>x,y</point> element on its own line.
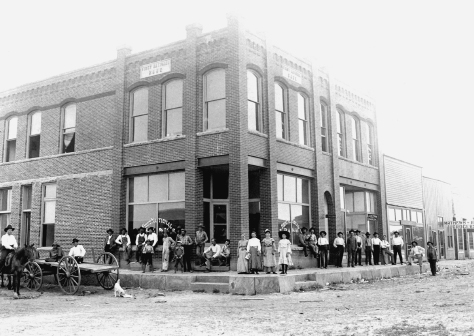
<point>284,248</point>
<point>269,249</point>
<point>167,243</point>
<point>254,248</point>
<point>242,263</point>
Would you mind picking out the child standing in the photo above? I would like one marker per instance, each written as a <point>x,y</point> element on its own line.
<point>284,248</point>
<point>147,256</point>
<point>178,256</point>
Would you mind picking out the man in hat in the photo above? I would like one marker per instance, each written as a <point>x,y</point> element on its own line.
<point>201,240</point>
<point>210,254</point>
<point>376,247</point>
<point>368,249</point>
<point>339,246</point>
<point>432,255</point>
<point>323,244</point>
<point>417,252</point>
<point>397,243</point>
<point>187,243</point>
<point>9,244</point>
<point>303,243</point>
<point>77,251</point>
<point>109,242</point>
<point>178,256</point>
<point>351,248</point>
<point>224,258</point>
<point>385,248</point>
<point>140,243</point>
<point>123,241</point>
<point>358,254</point>
<point>56,252</point>
<point>152,237</point>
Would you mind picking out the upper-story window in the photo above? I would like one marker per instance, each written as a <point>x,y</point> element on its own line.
<point>324,128</point>
<point>214,100</point>
<point>355,138</point>
<point>68,141</point>
<point>303,120</point>
<point>173,108</point>
<point>341,149</point>
<point>11,131</point>
<point>253,104</point>
<point>139,115</point>
<point>370,144</point>
<point>5,207</point>
<point>35,135</point>
<point>280,112</point>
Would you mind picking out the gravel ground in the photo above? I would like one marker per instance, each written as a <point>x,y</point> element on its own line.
<point>411,305</point>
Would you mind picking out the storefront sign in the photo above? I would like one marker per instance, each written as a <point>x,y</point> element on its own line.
<point>371,217</point>
<point>155,68</point>
<point>293,75</point>
<point>460,224</point>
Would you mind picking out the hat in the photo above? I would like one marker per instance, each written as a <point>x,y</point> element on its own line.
<point>284,231</point>
<point>367,233</point>
<point>396,232</point>
<point>178,242</point>
<point>151,228</point>
<point>375,233</point>
<point>323,232</point>
<point>266,230</point>
<point>430,243</point>
<point>340,233</point>
<point>142,228</point>
<point>110,231</point>
<point>304,229</point>
<point>75,240</point>
<point>9,227</point>
<point>200,225</point>
<point>55,243</point>
<point>357,231</point>
<point>123,229</point>
<point>312,228</point>
<point>414,242</point>
<point>351,231</point>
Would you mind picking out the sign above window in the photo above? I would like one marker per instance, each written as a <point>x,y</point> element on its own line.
<point>293,75</point>
<point>155,68</point>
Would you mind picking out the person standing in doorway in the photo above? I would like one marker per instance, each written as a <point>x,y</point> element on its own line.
<point>339,245</point>
<point>201,240</point>
<point>376,248</point>
<point>187,243</point>
<point>358,254</point>
<point>432,255</point>
<point>323,244</point>
<point>397,243</point>
<point>368,249</point>
<point>385,248</point>
<point>351,248</point>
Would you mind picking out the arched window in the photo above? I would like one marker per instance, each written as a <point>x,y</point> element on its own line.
<point>173,108</point>
<point>214,100</point>
<point>34,135</point>
<point>370,143</point>
<point>281,118</point>
<point>324,128</point>
<point>355,124</point>
<point>341,149</point>
<point>303,121</point>
<point>68,130</point>
<point>139,115</point>
<point>11,132</point>
<point>254,102</point>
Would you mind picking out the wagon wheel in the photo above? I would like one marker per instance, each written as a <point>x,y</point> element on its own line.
<point>68,275</point>
<point>107,279</point>
<point>32,276</point>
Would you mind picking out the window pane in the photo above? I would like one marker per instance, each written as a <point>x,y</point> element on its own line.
<point>140,102</point>
<point>359,205</point>
<point>301,107</point>
<point>215,84</point>
<point>252,115</point>
<point>279,98</point>
<point>5,199</point>
<point>49,211</point>
<point>140,214</point>
<point>158,188</point>
<point>4,221</point>
<point>341,197</point>
<point>11,151</point>
<point>354,128</point>
<point>220,233</point>
<point>69,141</point>
<point>349,201</point>
<point>413,216</point>
<point>283,214</point>
<point>12,128</point>
<point>280,187</point>
<point>280,125</point>
<point>220,214</point>
<point>48,234</point>
<point>302,132</point>
<point>323,116</point>
<point>70,116</point>
<point>140,128</point>
<point>216,114</point>
<point>50,191</point>
<point>391,214</point>
<point>398,214</point>
<point>176,186</point>
<point>173,213</point>
<point>26,197</point>
<point>252,86</point>
<point>35,123</point>
<point>289,183</point>
<point>339,122</point>
<point>220,185</point>
<point>302,191</point>
<point>140,189</point>
<point>174,122</point>
<point>34,146</point>
<point>174,94</point>
<point>419,217</point>
<point>254,184</point>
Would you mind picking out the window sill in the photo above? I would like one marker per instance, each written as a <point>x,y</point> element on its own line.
<point>263,135</point>
<point>295,144</point>
<point>220,130</point>
<point>171,138</point>
<point>56,156</point>
<point>357,162</point>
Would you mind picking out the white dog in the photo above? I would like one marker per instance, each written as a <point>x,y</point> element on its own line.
<point>118,289</point>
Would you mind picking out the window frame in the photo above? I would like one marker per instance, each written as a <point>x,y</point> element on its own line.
<point>370,144</point>
<point>8,211</point>
<point>132,117</point>
<point>341,134</point>
<point>165,111</point>
<point>283,114</point>
<point>29,142</point>
<point>9,141</point>
<point>305,122</point>
<point>355,126</point>
<point>63,133</point>
<point>325,139</point>
<point>205,119</point>
<point>44,200</point>
<point>258,104</point>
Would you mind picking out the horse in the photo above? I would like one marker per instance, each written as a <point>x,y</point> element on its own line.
<point>16,267</point>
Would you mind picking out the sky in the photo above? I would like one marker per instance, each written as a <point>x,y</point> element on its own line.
<point>415,59</point>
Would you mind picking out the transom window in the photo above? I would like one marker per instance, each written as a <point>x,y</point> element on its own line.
<point>11,131</point>
<point>35,135</point>
<point>139,115</point>
<point>280,112</point>
<point>173,108</point>
<point>214,100</point>
<point>303,120</point>
<point>68,141</point>
<point>253,104</point>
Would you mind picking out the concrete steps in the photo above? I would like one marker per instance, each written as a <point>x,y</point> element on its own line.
<point>210,287</point>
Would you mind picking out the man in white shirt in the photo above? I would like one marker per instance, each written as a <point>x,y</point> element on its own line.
<point>323,245</point>
<point>123,241</point>
<point>211,253</point>
<point>152,237</point>
<point>376,247</point>
<point>339,244</point>
<point>397,243</point>
<point>9,244</point>
<point>417,252</point>
<point>77,251</point>
<point>385,248</point>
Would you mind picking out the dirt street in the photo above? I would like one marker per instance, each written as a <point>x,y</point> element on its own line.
<point>411,305</point>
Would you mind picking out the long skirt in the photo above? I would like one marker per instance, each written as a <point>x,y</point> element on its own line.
<point>254,261</point>
<point>242,263</point>
<point>269,259</point>
<point>166,258</point>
